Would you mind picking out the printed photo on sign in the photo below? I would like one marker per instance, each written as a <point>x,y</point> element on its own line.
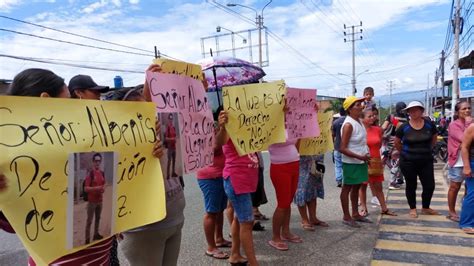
<point>172,161</point>
<point>92,179</point>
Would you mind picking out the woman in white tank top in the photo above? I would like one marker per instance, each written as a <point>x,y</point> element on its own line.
<point>355,155</point>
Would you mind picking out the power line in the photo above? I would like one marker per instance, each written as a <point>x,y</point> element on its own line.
<point>304,59</point>
<point>73,43</point>
<point>74,34</point>
<point>39,60</point>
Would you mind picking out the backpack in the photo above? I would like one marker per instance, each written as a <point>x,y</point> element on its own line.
<point>84,194</point>
<point>388,132</point>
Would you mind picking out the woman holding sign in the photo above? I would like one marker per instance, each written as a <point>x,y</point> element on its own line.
<point>240,180</point>
<point>44,83</point>
<point>355,156</point>
<point>157,243</point>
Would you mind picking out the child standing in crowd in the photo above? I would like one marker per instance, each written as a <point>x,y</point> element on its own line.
<point>369,95</point>
<point>240,180</point>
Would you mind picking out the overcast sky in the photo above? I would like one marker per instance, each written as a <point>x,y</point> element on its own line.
<point>402,38</point>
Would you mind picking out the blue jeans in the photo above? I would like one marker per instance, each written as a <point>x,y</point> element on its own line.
<point>242,203</point>
<point>338,166</point>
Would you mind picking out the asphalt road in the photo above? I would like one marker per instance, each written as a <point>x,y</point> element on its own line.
<point>336,245</point>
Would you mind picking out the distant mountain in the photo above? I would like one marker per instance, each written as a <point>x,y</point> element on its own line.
<point>407,96</point>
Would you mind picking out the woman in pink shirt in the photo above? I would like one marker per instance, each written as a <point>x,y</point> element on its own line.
<point>215,200</point>
<point>456,132</point>
<point>240,180</point>
<point>284,172</point>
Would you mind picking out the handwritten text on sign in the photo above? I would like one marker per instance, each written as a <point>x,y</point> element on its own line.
<point>186,96</point>
<point>301,117</point>
<point>323,143</point>
<point>180,68</point>
<point>35,146</point>
<point>256,117</point>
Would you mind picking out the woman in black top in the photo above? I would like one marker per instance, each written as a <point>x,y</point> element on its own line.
<point>415,140</point>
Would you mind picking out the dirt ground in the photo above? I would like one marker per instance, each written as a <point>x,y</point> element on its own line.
<point>80,217</point>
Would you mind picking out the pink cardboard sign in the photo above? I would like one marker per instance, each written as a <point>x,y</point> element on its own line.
<point>301,117</point>
<point>186,96</point>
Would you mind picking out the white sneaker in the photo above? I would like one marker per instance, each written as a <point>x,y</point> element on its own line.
<point>375,201</point>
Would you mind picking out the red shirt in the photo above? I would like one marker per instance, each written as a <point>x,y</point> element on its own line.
<point>98,254</point>
<point>98,180</point>
<point>170,133</point>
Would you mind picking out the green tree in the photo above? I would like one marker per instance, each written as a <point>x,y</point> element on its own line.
<point>335,105</point>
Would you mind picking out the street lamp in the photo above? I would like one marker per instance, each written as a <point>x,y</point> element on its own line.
<point>258,23</point>
<point>219,28</point>
<point>356,76</point>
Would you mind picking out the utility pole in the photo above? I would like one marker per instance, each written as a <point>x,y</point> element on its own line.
<point>353,37</point>
<point>390,86</point>
<point>429,96</point>
<point>259,22</point>
<point>435,86</point>
<point>442,59</point>
<point>457,19</point>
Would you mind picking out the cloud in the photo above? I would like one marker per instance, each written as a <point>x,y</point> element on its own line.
<point>423,25</point>
<point>94,6</point>
<point>7,5</point>
<point>315,34</point>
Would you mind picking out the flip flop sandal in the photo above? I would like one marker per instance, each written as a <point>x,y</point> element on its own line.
<point>388,212</point>
<point>364,213</point>
<point>225,244</point>
<point>362,220</point>
<point>258,227</point>
<point>217,254</point>
<point>453,218</point>
<point>240,263</point>
<point>321,223</point>
<point>429,212</point>
<point>261,217</point>
<point>307,227</point>
<point>282,246</point>
<point>413,214</point>
<point>468,230</point>
<point>294,239</point>
<point>351,223</point>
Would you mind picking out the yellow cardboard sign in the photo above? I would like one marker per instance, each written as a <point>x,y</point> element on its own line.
<point>178,67</point>
<point>256,117</point>
<point>322,144</point>
<point>37,135</point>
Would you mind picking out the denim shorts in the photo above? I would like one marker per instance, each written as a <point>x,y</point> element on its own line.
<point>242,203</point>
<point>455,174</point>
<point>215,200</point>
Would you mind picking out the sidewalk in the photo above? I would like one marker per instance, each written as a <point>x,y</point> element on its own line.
<point>426,240</point>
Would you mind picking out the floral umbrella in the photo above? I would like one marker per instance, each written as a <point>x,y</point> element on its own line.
<point>223,71</point>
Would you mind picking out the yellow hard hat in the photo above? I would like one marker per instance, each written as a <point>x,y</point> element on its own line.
<point>350,100</point>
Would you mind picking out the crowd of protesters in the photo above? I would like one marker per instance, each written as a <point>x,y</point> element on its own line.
<point>234,184</point>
